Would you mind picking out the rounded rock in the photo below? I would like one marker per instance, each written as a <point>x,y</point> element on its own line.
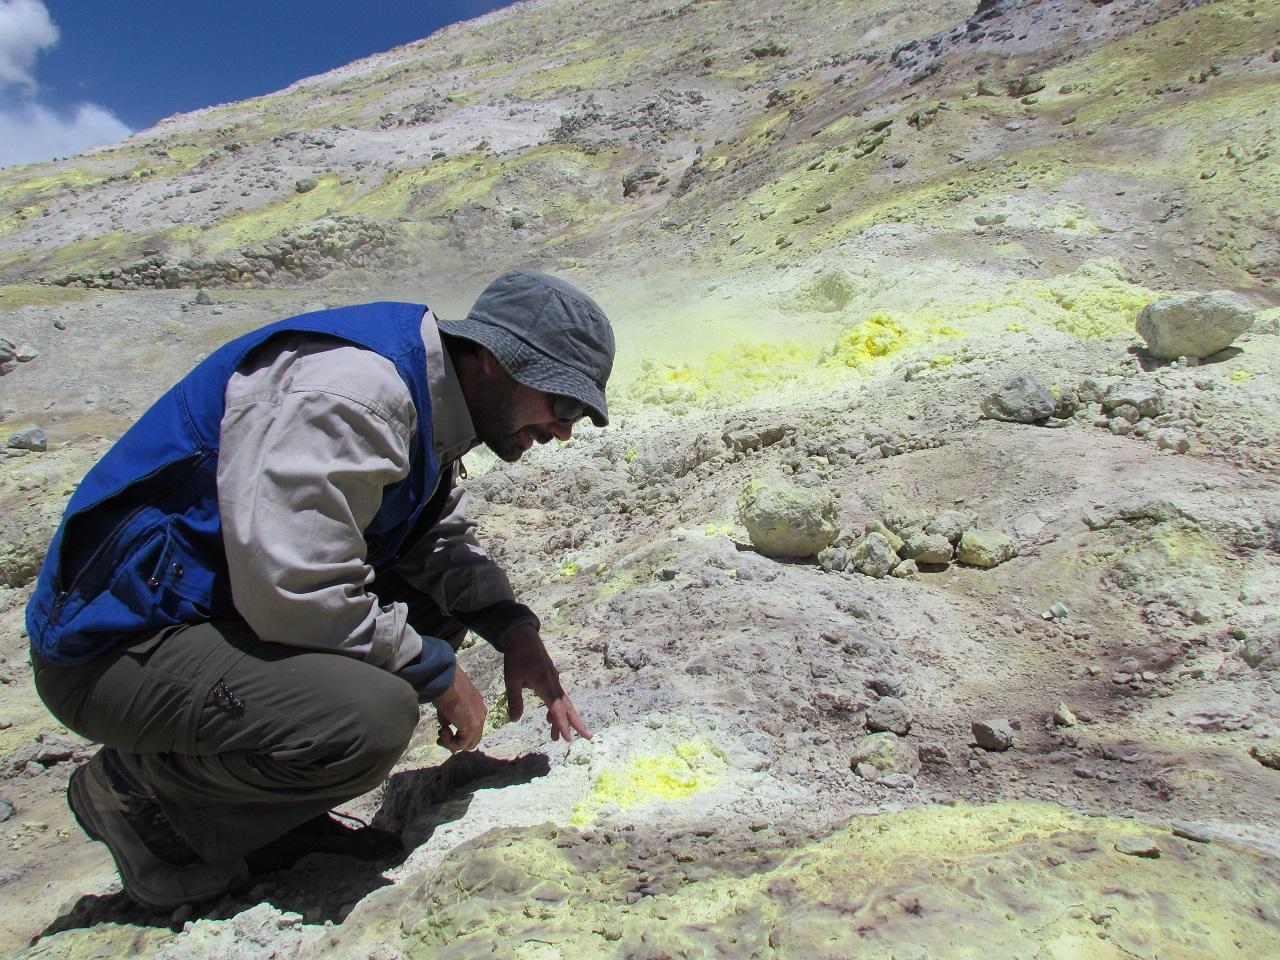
<point>889,715</point>
<point>785,520</point>
<point>1194,324</point>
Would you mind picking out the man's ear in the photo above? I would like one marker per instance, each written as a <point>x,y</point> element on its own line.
<point>489,364</point>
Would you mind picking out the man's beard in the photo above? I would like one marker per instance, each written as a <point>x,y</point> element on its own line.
<point>495,426</point>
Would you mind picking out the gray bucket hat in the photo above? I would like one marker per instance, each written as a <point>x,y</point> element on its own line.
<point>547,333</point>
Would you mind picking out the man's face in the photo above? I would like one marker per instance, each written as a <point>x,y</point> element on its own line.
<point>510,418</point>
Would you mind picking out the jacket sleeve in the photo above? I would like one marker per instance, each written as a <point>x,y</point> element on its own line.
<point>449,565</point>
<point>310,437</point>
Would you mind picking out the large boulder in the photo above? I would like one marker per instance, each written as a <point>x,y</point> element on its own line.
<point>785,520</point>
<point>1194,324</point>
<point>1023,399</point>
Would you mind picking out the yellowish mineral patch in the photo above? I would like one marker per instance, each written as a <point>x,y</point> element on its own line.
<point>688,768</point>
<point>987,882</point>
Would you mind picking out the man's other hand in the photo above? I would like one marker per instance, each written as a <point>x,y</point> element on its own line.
<point>527,666</point>
<point>460,711</point>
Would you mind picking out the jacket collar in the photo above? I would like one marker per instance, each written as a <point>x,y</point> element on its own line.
<point>452,431</point>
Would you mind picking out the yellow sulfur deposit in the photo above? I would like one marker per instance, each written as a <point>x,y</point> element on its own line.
<point>690,766</point>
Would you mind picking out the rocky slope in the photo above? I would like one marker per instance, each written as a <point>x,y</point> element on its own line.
<point>830,236</point>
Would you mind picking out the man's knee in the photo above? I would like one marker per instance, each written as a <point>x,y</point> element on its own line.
<point>379,716</point>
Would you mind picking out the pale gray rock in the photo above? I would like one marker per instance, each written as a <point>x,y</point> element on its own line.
<point>985,548</point>
<point>995,735</point>
<point>29,438</point>
<point>786,520</point>
<point>950,524</point>
<point>1133,399</point>
<point>874,557</point>
<point>928,548</point>
<point>885,753</point>
<point>26,353</point>
<point>204,297</point>
<point>834,559</point>
<point>897,781</point>
<point>1023,399</point>
<point>1063,717</point>
<point>905,570</point>
<point>1194,324</point>
<point>875,526</point>
<point>889,715</point>
<point>1191,831</point>
<point>1171,439</point>
<point>304,184</point>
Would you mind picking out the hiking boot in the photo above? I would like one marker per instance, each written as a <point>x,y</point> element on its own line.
<point>160,871</point>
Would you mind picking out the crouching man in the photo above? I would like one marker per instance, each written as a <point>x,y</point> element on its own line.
<point>255,588</point>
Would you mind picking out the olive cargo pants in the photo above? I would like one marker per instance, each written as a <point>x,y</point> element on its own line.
<point>242,740</point>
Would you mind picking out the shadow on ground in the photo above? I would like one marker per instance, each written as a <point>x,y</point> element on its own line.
<point>321,874</point>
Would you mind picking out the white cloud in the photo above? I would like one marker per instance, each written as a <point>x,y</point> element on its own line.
<point>25,29</point>
<point>30,132</point>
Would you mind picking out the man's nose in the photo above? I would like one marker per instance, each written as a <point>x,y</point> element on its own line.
<point>561,430</point>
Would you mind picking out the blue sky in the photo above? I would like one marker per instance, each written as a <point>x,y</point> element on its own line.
<point>77,73</point>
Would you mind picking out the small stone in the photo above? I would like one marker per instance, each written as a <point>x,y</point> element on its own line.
<point>59,324</point>
<point>866,771</point>
<point>1022,399</point>
<point>204,297</point>
<point>304,184</point>
<point>874,557</point>
<point>29,438</point>
<point>25,353</point>
<point>985,548</point>
<point>875,526</point>
<point>6,809</point>
<point>995,735</point>
<point>1170,439</point>
<point>1138,847</point>
<point>1063,717</point>
<point>891,715</point>
<point>1267,754</point>
<point>897,781</point>
<point>907,568</point>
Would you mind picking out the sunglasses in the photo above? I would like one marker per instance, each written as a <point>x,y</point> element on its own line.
<point>567,409</point>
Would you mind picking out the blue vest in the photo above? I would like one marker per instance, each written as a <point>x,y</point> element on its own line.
<point>140,546</point>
